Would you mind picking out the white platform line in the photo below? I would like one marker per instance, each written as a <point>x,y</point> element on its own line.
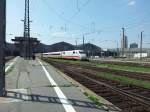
<point>10,65</point>
<point>63,99</point>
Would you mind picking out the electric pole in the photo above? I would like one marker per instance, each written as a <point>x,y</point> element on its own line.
<point>141,42</point>
<point>117,49</point>
<point>76,44</point>
<point>83,42</point>
<point>2,46</point>
<point>76,41</point>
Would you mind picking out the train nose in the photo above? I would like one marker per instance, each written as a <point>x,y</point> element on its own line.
<point>83,56</point>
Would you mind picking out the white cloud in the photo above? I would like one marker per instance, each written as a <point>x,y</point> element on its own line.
<point>131,2</point>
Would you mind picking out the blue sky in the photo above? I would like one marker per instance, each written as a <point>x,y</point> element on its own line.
<point>68,20</point>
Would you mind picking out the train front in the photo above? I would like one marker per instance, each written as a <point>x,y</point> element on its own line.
<point>82,55</point>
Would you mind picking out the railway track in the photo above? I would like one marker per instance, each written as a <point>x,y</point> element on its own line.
<point>134,75</point>
<point>125,63</point>
<point>139,76</point>
<point>126,97</point>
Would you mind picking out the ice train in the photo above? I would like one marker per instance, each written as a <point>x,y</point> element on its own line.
<point>72,54</point>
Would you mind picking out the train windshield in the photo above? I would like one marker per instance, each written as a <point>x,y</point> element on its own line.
<point>81,52</point>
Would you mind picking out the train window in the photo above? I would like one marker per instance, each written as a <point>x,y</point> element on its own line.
<point>56,54</point>
<point>73,52</point>
<point>63,52</point>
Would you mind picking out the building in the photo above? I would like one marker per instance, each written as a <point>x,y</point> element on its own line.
<point>124,45</point>
<point>124,42</point>
<point>134,45</point>
<point>133,53</point>
<point>26,46</point>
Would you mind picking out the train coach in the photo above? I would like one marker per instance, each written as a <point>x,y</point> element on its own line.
<point>72,54</point>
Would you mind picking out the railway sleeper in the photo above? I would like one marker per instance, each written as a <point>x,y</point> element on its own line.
<point>93,86</point>
<point>121,85</point>
<point>108,94</point>
<point>77,77</point>
<point>133,108</point>
<point>145,92</point>
<point>115,101</point>
<point>146,95</point>
<point>127,104</point>
<point>101,91</point>
<point>114,97</point>
<point>130,89</point>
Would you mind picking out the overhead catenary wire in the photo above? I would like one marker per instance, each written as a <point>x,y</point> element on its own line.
<point>69,20</point>
<point>129,26</point>
<point>79,9</point>
<point>81,26</point>
<point>61,17</point>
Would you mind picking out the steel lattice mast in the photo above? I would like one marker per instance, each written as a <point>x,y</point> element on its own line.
<point>27,29</point>
<point>26,43</point>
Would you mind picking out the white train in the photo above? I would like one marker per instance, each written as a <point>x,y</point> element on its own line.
<point>73,54</point>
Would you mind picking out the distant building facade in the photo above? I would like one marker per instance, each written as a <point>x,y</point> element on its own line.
<point>134,45</point>
<point>124,42</point>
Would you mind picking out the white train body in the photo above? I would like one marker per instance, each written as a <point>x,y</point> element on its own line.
<point>73,54</point>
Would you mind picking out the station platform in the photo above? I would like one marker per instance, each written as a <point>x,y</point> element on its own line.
<point>35,86</point>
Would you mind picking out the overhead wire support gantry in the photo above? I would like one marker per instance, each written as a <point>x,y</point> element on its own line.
<point>26,43</point>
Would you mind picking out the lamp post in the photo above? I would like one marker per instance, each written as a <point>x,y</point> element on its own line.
<point>76,41</point>
<point>92,52</point>
<point>115,41</point>
<point>141,45</point>
<point>117,47</point>
<point>100,43</point>
<point>42,45</point>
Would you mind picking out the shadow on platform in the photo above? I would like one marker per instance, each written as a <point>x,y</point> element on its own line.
<point>49,99</point>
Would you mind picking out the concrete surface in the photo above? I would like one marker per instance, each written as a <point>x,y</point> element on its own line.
<point>30,90</point>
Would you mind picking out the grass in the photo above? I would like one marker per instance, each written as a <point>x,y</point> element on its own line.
<point>71,61</point>
<point>125,68</point>
<point>123,79</point>
<point>126,80</point>
<point>110,66</point>
<point>93,99</point>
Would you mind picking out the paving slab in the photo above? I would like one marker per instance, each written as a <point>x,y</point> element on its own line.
<point>80,102</point>
<point>56,76</point>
